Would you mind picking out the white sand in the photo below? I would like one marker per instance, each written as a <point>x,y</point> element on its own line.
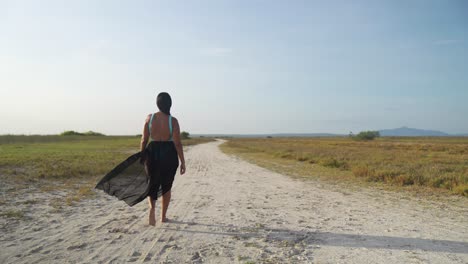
<point>225,210</point>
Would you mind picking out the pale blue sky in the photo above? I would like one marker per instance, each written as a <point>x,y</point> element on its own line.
<point>234,66</point>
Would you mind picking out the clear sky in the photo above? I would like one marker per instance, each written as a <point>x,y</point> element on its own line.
<point>234,66</point>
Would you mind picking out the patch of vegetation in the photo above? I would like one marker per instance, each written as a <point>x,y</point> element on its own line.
<point>242,258</point>
<point>30,202</point>
<point>74,133</point>
<point>431,163</point>
<point>79,192</point>
<point>367,135</point>
<point>185,135</point>
<point>71,163</point>
<point>252,244</point>
<point>16,214</point>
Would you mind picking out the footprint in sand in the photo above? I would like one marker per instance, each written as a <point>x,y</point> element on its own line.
<point>136,254</point>
<point>77,246</point>
<point>36,250</point>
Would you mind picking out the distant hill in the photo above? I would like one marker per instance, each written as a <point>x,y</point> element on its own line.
<point>411,132</point>
<point>397,132</point>
<point>307,135</point>
<point>270,135</point>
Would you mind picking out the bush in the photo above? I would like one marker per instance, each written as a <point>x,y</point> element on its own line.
<point>92,133</point>
<point>362,171</point>
<point>74,133</point>
<point>367,135</point>
<point>71,133</point>
<point>333,163</point>
<point>462,189</point>
<point>185,135</point>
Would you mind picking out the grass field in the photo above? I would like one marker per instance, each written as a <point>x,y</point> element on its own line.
<point>429,163</point>
<point>33,158</point>
<point>65,162</point>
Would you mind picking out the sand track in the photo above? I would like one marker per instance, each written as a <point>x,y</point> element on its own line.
<point>225,210</point>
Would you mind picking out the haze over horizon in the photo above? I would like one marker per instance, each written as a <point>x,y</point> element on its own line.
<point>234,67</point>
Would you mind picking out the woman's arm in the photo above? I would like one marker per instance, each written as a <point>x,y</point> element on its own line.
<point>145,134</point>
<point>178,144</point>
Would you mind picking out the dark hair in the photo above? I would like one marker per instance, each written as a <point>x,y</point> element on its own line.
<point>164,103</point>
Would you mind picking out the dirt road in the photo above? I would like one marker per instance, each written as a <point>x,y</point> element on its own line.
<point>225,210</point>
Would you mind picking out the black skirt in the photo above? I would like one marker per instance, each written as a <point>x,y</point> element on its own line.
<point>132,181</point>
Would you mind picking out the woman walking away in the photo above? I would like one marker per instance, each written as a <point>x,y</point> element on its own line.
<point>161,155</point>
<point>132,181</point>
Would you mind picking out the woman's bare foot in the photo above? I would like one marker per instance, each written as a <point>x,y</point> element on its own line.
<point>164,220</point>
<point>152,217</point>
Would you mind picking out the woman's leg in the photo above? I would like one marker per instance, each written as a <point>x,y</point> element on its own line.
<point>166,199</point>
<point>152,206</point>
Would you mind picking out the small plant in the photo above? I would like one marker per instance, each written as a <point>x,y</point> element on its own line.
<point>242,258</point>
<point>462,190</point>
<point>13,214</point>
<point>333,163</point>
<point>185,135</point>
<point>252,244</point>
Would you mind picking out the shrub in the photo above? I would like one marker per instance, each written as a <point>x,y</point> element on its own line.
<point>74,133</point>
<point>285,155</point>
<point>185,135</point>
<point>462,189</point>
<point>362,171</point>
<point>92,133</point>
<point>71,133</point>
<point>404,180</point>
<point>333,163</point>
<point>367,135</point>
<point>301,158</point>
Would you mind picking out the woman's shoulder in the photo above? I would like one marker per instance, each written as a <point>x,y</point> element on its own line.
<point>148,117</point>
<point>174,120</point>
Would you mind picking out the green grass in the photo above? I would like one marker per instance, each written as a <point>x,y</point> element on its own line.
<point>434,163</point>
<point>65,162</point>
<point>58,157</point>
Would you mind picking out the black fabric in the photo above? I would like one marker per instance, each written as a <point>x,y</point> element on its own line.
<point>132,181</point>
<point>161,166</point>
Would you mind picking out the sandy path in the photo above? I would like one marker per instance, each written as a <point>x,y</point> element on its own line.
<point>225,210</point>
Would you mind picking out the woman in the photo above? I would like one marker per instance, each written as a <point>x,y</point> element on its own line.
<point>161,156</point>
<point>152,177</point>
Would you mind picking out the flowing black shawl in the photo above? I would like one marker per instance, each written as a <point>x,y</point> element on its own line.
<point>128,181</point>
<point>132,180</point>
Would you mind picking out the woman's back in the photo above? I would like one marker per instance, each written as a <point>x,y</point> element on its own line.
<point>160,127</point>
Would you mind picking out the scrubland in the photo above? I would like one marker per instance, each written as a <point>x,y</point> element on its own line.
<point>420,164</point>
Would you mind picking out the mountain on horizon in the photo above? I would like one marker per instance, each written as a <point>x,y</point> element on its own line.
<point>396,132</point>
<point>272,135</point>
<point>411,132</point>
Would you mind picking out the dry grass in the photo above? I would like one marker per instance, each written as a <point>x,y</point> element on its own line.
<point>434,163</point>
